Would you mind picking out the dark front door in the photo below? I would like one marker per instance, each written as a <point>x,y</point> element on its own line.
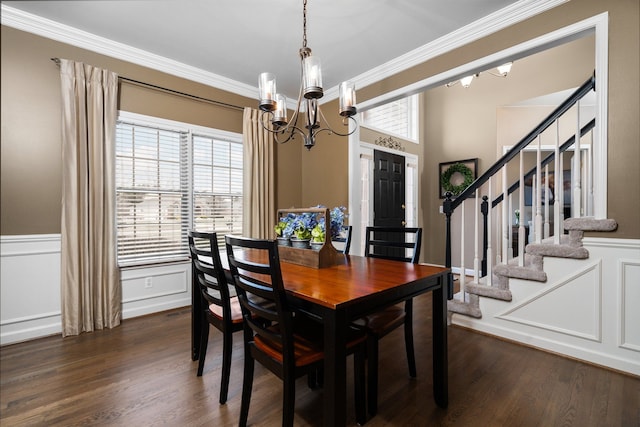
<point>388,193</point>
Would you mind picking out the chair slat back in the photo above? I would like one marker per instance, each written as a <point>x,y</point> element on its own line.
<point>260,290</point>
<point>345,238</point>
<point>392,243</point>
<point>208,271</point>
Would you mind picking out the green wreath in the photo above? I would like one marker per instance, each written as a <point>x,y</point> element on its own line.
<point>445,178</point>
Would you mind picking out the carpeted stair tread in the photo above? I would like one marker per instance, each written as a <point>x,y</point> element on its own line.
<point>570,246</point>
<point>557,251</point>
<point>460,307</point>
<point>572,239</point>
<point>590,224</point>
<point>530,260</point>
<point>488,291</point>
<point>518,272</point>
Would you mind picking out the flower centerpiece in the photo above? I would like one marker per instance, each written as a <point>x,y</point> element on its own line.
<point>336,218</point>
<point>302,225</point>
<point>317,236</point>
<point>284,229</point>
<point>302,229</point>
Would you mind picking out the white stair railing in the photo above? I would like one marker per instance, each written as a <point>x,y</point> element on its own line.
<point>494,229</point>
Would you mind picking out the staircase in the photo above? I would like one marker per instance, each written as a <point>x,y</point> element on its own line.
<point>570,246</point>
<point>555,295</point>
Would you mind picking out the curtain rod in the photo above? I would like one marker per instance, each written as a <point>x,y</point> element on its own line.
<point>171,91</point>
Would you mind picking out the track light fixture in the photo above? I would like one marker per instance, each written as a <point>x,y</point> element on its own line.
<point>503,70</point>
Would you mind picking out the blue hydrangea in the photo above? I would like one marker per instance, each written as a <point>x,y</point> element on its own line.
<point>308,220</point>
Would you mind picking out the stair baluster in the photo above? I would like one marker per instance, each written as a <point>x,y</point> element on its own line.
<point>501,249</point>
<point>485,232</point>
<point>576,202</point>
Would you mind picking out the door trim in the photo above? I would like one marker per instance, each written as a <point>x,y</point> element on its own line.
<point>366,150</point>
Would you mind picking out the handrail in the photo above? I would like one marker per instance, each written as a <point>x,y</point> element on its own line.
<point>568,143</point>
<point>548,121</point>
<point>449,204</point>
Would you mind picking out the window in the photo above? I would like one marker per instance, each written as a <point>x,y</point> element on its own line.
<point>172,177</point>
<point>398,118</point>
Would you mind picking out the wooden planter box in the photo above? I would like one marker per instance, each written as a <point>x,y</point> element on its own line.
<point>327,256</point>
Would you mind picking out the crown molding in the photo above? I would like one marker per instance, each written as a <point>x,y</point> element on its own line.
<point>34,24</point>
<point>503,18</point>
<point>517,12</point>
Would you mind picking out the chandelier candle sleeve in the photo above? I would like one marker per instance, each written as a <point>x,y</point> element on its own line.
<point>267,87</point>
<point>312,74</point>
<point>347,98</point>
<point>280,113</point>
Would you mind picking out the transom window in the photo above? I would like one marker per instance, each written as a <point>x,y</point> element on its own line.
<point>172,177</point>
<point>399,118</point>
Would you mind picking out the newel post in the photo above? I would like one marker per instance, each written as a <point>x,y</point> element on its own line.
<point>446,208</point>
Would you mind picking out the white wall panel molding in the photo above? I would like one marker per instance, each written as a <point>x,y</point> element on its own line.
<point>587,309</point>
<point>571,306</point>
<point>629,331</point>
<point>155,288</point>
<point>30,297</point>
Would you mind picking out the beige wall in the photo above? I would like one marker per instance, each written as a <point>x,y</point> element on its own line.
<point>31,164</point>
<point>30,193</point>
<point>623,108</point>
<point>624,95</point>
<point>463,123</point>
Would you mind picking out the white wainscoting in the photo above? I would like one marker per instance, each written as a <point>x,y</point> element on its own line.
<point>587,309</point>
<point>30,288</point>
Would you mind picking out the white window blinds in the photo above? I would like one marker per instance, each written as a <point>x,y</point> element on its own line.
<point>169,181</point>
<point>217,186</point>
<point>399,118</point>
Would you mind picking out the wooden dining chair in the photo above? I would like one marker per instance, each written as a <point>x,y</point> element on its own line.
<point>389,243</point>
<point>292,344</point>
<point>218,307</point>
<point>343,240</point>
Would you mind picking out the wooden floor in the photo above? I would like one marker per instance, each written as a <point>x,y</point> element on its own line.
<point>141,374</point>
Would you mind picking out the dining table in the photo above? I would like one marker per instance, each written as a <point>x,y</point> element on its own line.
<point>354,287</point>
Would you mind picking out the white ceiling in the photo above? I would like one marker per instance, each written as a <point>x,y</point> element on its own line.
<point>238,39</point>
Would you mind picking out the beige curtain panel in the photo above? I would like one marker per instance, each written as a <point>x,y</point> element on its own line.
<point>259,211</point>
<point>90,282</point>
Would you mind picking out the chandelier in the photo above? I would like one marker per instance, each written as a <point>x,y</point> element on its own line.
<point>274,105</point>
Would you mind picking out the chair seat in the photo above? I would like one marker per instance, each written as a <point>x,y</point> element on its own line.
<point>382,322</point>
<point>236,311</point>
<point>309,342</point>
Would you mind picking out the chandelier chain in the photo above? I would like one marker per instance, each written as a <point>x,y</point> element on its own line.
<point>304,24</point>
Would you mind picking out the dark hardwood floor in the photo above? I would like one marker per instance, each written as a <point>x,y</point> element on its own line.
<point>141,374</point>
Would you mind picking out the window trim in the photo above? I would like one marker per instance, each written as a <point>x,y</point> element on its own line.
<point>190,130</point>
